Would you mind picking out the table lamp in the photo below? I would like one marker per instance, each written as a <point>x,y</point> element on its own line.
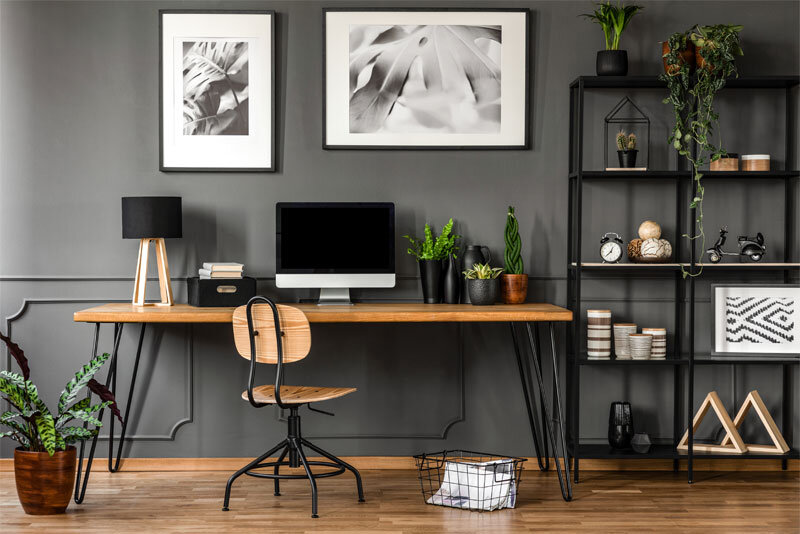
<point>151,220</point>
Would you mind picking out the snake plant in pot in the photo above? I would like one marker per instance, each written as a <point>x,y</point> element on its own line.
<point>45,460</point>
<point>514,282</point>
<point>430,253</point>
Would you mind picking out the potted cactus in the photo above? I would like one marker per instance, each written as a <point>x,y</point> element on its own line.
<point>513,283</point>
<point>482,283</point>
<point>626,150</point>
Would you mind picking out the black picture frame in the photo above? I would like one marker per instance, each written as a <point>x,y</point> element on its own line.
<point>526,145</point>
<point>273,103</point>
<point>743,355</point>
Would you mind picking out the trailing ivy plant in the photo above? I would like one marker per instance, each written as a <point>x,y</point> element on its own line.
<point>431,248</point>
<point>691,95</point>
<point>33,425</point>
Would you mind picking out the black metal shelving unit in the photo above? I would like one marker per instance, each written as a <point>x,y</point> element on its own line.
<point>684,289</point>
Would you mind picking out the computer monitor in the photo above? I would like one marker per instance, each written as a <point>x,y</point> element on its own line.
<point>334,246</point>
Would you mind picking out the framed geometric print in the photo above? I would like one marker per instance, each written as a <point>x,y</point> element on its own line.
<point>217,90</point>
<point>755,320</point>
<point>421,78</point>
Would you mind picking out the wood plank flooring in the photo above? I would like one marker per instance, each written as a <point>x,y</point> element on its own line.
<point>604,502</point>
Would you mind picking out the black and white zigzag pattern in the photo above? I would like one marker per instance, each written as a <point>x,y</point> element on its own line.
<point>759,320</point>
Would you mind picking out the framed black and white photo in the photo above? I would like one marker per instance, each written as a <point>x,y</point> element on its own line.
<point>755,320</point>
<point>217,99</point>
<point>426,78</point>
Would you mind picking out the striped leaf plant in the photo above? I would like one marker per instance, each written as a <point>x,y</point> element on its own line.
<point>33,425</point>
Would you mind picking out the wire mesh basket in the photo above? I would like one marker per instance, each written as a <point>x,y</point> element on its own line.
<point>469,480</point>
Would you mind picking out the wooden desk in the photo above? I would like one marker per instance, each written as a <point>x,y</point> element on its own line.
<point>120,314</point>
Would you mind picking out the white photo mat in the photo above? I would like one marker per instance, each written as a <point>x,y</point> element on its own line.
<point>512,131</point>
<point>756,319</point>
<point>251,150</point>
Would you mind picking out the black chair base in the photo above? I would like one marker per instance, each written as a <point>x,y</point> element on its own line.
<point>292,447</point>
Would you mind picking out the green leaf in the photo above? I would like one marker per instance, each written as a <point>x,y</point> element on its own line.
<point>82,378</point>
<point>14,394</point>
<point>47,432</point>
<point>72,434</point>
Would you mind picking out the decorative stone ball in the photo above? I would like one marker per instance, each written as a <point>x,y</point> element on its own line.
<point>635,249</point>
<point>656,248</point>
<point>649,229</point>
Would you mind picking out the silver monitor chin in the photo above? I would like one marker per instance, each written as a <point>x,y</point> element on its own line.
<point>335,288</point>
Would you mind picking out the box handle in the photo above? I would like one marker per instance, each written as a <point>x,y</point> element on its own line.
<point>226,289</point>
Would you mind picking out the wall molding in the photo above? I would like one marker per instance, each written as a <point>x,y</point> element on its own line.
<point>112,278</point>
<point>189,355</point>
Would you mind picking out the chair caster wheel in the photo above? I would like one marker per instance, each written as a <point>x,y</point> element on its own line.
<point>314,516</point>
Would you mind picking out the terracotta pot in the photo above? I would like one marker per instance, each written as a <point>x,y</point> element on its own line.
<point>514,288</point>
<point>687,56</point>
<point>44,482</point>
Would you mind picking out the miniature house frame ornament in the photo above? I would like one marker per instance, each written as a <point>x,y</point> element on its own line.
<point>614,117</point>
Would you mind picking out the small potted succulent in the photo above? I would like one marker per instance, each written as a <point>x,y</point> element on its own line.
<point>482,283</point>
<point>613,19</point>
<point>45,461</point>
<point>514,282</point>
<point>626,150</point>
<point>430,253</point>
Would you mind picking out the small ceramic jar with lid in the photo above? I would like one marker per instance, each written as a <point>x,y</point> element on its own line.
<point>755,162</point>
<point>729,162</point>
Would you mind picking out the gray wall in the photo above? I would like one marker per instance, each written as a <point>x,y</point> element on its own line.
<point>79,127</point>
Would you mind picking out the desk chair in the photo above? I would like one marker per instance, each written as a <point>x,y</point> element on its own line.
<point>265,332</point>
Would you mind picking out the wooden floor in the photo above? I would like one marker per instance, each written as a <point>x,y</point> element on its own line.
<point>627,502</point>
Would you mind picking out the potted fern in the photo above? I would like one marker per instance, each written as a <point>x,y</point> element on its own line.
<point>626,150</point>
<point>613,19</point>
<point>430,253</point>
<point>44,461</point>
<point>482,283</point>
<point>513,283</point>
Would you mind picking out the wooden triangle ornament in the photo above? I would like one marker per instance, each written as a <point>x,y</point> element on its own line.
<point>779,445</point>
<point>712,400</point>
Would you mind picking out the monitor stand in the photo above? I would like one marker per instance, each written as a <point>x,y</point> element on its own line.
<point>333,296</point>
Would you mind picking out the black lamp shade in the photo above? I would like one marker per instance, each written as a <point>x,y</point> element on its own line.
<point>152,217</point>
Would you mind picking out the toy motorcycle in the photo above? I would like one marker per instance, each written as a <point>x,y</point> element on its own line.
<point>753,248</point>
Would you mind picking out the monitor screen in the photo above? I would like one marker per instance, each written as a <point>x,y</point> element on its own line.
<point>334,237</point>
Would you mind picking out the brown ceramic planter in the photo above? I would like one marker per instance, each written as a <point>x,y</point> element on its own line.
<point>514,288</point>
<point>687,56</point>
<point>44,482</point>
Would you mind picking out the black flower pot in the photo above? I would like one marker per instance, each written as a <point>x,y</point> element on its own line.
<point>612,63</point>
<point>627,158</point>
<point>430,271</point>
<point>482,292</point>
<point>620,425</point>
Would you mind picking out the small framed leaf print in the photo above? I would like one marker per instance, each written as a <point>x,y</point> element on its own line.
<point>217,102</point>
<point>426,78</point>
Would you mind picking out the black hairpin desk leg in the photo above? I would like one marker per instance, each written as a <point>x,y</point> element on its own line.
<point>113,463</point>
<point>525,379</point>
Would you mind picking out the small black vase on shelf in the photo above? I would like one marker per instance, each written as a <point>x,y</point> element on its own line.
<point>430,271</point>
<point>612,63</point>
<point>620,425</point>
<point>451,280</point>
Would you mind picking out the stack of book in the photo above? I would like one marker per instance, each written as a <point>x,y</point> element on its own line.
<point>221,270</point>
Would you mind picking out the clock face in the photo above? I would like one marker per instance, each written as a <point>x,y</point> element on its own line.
<point>611,252</point>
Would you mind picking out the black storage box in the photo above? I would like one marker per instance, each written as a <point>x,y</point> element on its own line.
<point>220,292</point>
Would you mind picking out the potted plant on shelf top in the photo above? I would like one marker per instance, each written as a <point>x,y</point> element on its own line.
<point>691,94</point>
<point>482,283</point>
<point>613,19</point>
<point>626,150</point>
<point>429,253</point>
<point>44,462</point>
<point>514,283</point>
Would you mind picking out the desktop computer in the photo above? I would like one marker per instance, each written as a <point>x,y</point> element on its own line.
<point>334,246</point>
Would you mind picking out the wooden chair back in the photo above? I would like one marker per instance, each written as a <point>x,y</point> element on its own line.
<point>295,330</point>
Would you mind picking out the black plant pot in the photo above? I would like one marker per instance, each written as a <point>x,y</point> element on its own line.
<point>627,158</point>
<point>620,425</point>
<point>612,63</point>
<point>482,292</point>
<point>451,280</point>
<point>430,271</point>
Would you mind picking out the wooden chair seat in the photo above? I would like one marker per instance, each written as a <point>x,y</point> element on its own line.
<point>296,394</point>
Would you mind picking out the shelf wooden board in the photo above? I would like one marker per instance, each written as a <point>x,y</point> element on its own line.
<point>669,174</point>
<point>652,82</point>
<point>634,363</point>
<point>753,266</point>
<point>357,313</point>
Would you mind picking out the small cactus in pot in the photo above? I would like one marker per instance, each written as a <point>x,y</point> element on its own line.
<point>626,149</point>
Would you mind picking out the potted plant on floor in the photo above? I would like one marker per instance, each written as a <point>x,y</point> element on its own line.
<point>513,283</point>
<point>44,462</point>
<point>430,252</point>
<point>626,150</point>
<point>691,94</point>
<point>482,283</point>
<point>613,19</point>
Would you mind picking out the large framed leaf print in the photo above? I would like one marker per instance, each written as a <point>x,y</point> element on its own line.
<point>426,78</point>
<point>217,100</point>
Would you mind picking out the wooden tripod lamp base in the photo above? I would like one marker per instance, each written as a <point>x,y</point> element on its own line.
<point>163,273</point>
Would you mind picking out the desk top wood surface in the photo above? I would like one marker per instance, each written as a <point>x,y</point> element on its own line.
<point>358,313</point>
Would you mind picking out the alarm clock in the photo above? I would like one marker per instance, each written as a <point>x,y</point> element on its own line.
<point>611,248</point>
